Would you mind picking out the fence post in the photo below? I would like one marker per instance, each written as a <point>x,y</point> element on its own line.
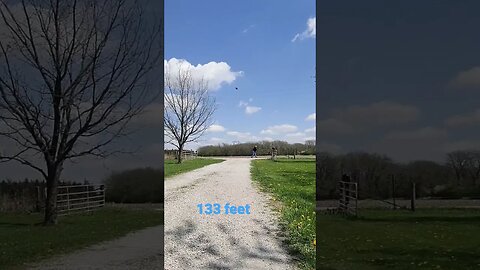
<point>393,192</point>
<point>413,197</point>
<point>68,200</point>
<point>88,198</point>
<point>356,201</point>
<point>102,187</point>
<point>37,206</point>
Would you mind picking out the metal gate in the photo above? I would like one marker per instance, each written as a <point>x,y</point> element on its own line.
<point>348,197</point>
<point>79,198</point>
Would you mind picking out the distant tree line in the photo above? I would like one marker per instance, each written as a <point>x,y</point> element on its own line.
<point>142,185</point>
<point>457,177</point>
<point>263,148</point>
<point>24,196</point>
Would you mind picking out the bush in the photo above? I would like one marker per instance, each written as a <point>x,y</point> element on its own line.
<point>24,196</point>
<point>143,185</point>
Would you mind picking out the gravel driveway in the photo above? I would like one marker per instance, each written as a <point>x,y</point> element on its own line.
<point>139,250</point>
<point>194,241</point>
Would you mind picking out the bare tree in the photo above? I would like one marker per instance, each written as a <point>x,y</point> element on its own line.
<point>458,161</point>
<point>189,108</point>
<point>72,76</point>
<point>473,166</point>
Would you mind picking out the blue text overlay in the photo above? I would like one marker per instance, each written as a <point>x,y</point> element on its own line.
<point>225,209</point>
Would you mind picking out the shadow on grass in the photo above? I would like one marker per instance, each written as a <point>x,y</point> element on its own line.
<point>14,224</point>
<point>290,160</point>
<point>410,219</point>
<point>424,256</point>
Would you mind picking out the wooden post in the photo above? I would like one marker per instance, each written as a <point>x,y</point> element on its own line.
<point>413,197</point>
<point>68,200</point>
<point>393,192</point>
<point>38,200</point>
<point>88,198</point>
<point>102,187</point>
<point>356,199</point>
<point>347,195</point>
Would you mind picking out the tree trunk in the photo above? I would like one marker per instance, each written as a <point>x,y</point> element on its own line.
<point>457,175</point>
<point>180,151</point>
<point>53,178</point>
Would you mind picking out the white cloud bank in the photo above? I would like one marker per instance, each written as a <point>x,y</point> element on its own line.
<point>467,79</point>
<point>243,136</point>
<point>216,128</point>
<point>252,109</point>
<point>365,117</point>
<point>249,109</point>
<point>310,32</point>
<point>464,120</point>
<point>216,74</point>
<point>311,117</point>
<point>279,129</point>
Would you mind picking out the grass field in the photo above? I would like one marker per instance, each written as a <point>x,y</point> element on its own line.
<point>387,239</point>
<point>172,168</point>
<point>292,182</point>
<point>22,240</point>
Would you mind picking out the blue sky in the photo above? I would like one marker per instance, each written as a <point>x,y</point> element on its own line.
<point>272,69</point>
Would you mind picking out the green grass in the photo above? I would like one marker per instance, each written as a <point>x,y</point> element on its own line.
<point>22,240</point>
<point>292,183</point>
<point>387,239</point>
<point>172,168</point>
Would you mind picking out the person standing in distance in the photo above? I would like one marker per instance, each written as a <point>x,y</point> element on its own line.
<point>254,151</point>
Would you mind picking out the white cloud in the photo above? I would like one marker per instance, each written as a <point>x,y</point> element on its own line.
<point>311,130</point>
<point>297,137</point>
<point>462,145</point>
<point>150,115</point>
<point>242,103</point>
<point>467,79</point>
<point>310,32</point>
<point>252,109</point>
<point>238,134</point>
<point>365,117</point>
<point>215,140</point>
<point>311,117</point>
<point>248,28</point>
<point>329,147</point>
<point>465,120</point>
<point>279,129</point>
<point>216,74</point>
<point>424,143</point>
<point>378,113</point>
<point>216,128</point>
<point>425,133</point>
<point>249,109</point>
<point>334,126</point>
<point>242,136</point>
<point>297,134</point>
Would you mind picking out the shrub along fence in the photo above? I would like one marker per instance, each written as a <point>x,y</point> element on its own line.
<point>26,196</point>
<point>143,185</point>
